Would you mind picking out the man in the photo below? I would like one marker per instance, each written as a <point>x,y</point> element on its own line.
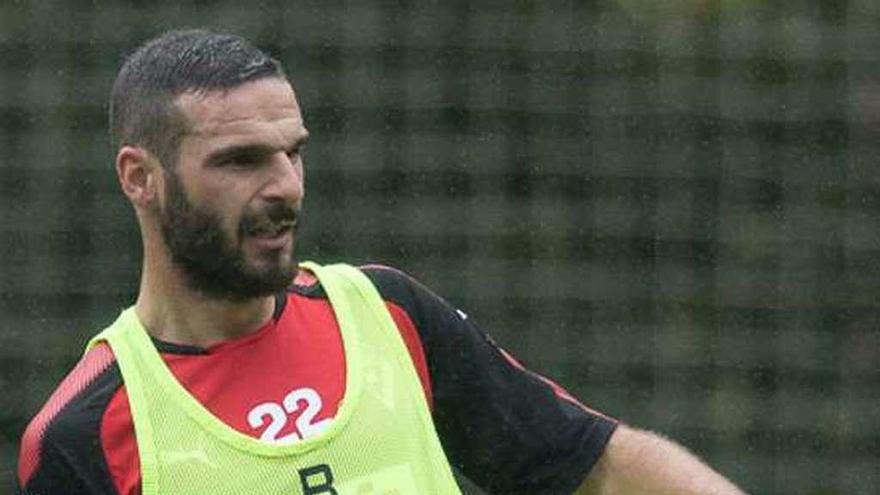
<point>236,371</point>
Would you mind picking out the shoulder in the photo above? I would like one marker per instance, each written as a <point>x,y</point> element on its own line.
<point>396,287</point>
<point>391,282</point>
<point>66,430</point>
<point>424,319</point>
<point>495,417</point>
<point>441,327</point>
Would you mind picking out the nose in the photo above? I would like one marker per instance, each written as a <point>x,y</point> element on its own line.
<point>286,180</point>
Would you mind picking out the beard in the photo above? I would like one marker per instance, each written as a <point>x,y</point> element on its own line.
<point>212,262</point>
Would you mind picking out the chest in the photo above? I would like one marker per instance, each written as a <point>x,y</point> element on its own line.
<point>281,385</point>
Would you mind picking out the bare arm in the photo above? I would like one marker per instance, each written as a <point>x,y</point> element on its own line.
<point>637,462</point>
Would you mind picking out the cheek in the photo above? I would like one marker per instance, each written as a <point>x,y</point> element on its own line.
<point>230,218</point>
<point>225,213</point>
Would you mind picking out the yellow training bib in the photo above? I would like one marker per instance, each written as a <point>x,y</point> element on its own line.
<point>382,441</point>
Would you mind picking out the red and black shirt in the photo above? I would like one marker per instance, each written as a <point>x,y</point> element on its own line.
<point>503,428</point>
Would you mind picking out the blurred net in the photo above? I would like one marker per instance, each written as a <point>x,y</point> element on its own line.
<point>672,210</point>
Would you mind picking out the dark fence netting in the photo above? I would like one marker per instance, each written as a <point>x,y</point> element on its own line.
<point>672,208</point>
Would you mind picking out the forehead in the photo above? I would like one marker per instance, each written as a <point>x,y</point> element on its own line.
<point>263,112</point>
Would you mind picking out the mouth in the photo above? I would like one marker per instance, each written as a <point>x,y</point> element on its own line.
<point>268,229</point>
<point>271,229</point>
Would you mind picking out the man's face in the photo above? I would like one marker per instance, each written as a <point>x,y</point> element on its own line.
<point>231,204</point>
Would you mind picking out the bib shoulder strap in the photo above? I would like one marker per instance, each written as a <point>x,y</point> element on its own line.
<point>110,333</point>
<point>341,275</point>
<point>124,336</point>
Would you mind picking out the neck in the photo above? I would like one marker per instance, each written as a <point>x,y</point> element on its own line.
<point>173,312</point>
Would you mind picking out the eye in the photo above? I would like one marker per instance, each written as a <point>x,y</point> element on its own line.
<point>297,151</point>
<point>243,160</point>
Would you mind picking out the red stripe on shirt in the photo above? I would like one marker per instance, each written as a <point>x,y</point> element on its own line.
<point>120,446</point>
<point>414,345</point>
<point>557,389</point>
<point>82,375</point>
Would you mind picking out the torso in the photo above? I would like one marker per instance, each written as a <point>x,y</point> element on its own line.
<point>297,352</point>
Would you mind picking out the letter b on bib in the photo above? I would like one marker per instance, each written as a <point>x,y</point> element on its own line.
<point>317,480</point>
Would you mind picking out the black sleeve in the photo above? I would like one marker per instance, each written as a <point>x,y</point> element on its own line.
<point>502,426</point>
<point>70,458</point>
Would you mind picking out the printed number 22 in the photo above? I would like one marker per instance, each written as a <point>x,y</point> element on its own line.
<point>277,415</point>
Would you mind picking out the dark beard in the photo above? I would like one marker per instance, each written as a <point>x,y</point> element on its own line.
<point>212,263</point>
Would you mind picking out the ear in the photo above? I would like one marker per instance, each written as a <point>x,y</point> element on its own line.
<point>138,172</point>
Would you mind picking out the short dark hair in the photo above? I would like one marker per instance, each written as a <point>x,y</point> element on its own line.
<point>142,108</point>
